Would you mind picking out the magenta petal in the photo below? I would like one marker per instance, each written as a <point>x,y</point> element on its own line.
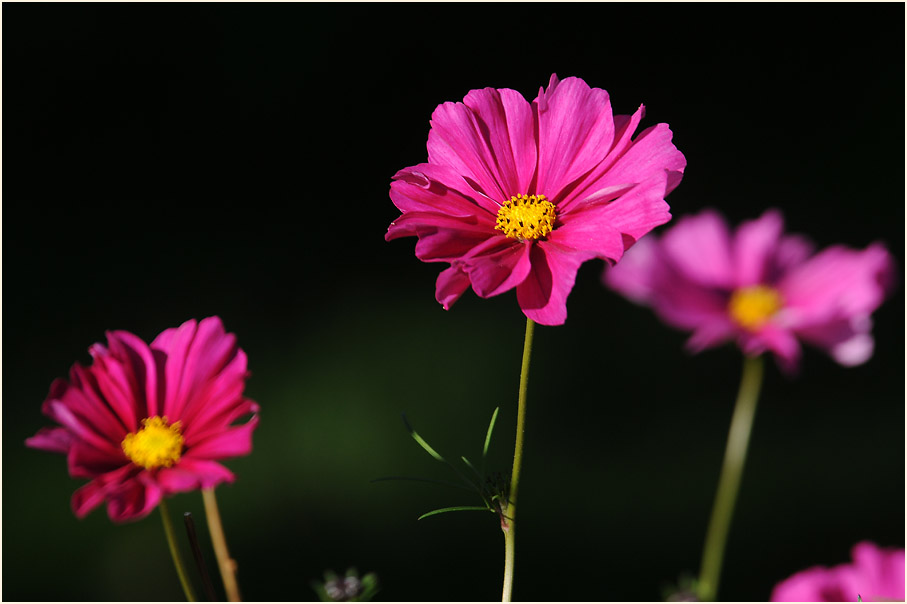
<point>431,188</point>
<point>231,442</point>
<point>55,440</point>
<point>635,212</point>
<point>461,139</point>
<point>634,277</point>
<point>508,128</point>
<point>89,496</point>
<point>780,341</point>
<point>700,247</point>
<point>498,265</point>
<point>140,368</point>
<point>754,246</point>
<point>576,130</point>
<point>543,294</point>
<point>836,283</point>
<point>590,233</point>
<point>847,340</point>
<point>451,284</point>
<point>710,334</point>
<point>134,499</point>
<point>191,474</point>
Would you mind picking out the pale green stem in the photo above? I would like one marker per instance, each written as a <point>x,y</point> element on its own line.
<point>729,482</point>
<point>175,552</point>
<point>226,564</point>
<point>507,523</point>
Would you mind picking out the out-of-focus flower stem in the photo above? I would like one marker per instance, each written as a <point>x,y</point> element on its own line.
<point>507,523</point>
<point>226,564</point>
<point>175,552</point>
<point>729,482</point>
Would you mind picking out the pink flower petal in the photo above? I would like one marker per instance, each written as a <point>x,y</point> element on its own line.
<point>231,442</point>
<point>451,284</point>
<point>700,247</point>
<point>431,188</point>
<point>468,138</point>
<point>498,265</point>
<point>55,440</point>
<point>754,246</point>
<point>591,233</point>
<point>191,474</point>
<point>635,212</point>
<point>543,294</point>
<point>576,129</point>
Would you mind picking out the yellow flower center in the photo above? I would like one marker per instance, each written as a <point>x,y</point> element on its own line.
<point>752,306</point>
<point>156,444</point>
<point>526,217</point>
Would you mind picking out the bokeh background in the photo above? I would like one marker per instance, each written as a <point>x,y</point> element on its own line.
<point>169,161</point>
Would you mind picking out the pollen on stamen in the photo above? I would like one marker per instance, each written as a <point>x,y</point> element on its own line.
<point>526,217</point>
<point>157,444</point>
<point>752,307</point>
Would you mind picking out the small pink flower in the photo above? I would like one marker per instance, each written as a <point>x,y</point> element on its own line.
<point>875,575</point>
<point>764,289</point>
<point>145,422</point>
<point>519,195</point>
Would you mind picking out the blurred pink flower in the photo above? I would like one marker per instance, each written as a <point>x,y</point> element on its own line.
<point>758,286</point>
<point>144,422</point>
<point>875,575</point>
<point>519,195</point>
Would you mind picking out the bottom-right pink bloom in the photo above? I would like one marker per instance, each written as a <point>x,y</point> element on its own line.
<point>875,575</point>
<point>764,289</point>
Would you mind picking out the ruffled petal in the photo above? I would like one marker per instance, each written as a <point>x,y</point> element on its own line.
<point>836,283</point>
<point>700,247</point>
<point>451,284</point>
<point>191,474</point>
<point>543,294</point>
<point>134,499</point>
<point>635,212</point>
<point>55,440</point>
<point>576,130</point>
<point>431,188</point>
<point>487,139</point>
<point>754,247</point>
<point>508,127</point>
<point>111,484</point>
<point>230,442</point>
<point>779,341</point>
<point>498,265</point>
<point>589,233</point>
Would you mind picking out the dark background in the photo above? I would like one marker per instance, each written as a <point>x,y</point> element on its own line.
<point>169,161</point>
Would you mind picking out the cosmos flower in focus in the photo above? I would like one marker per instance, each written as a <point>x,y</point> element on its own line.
<point>875,575</point>
<point>518,194</point>
<point>757,286</point>
<point>144,422</point>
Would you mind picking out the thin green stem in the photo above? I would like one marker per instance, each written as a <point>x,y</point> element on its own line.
<point>729,482</point>
<point>175,552</point>
<point>507,522</point>
<point>226,564</point>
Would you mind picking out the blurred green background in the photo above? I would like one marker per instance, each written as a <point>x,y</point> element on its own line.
<point>170,161</point>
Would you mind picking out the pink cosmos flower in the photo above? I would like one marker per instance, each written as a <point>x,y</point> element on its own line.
<point>875,575</point>
<point>518,194</point>
<point>758,286</point>
<point>144,422</point>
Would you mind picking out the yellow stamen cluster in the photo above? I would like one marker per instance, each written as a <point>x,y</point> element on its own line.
<point>157,444</point>
<point>751,307</point>
<point>526,217</point>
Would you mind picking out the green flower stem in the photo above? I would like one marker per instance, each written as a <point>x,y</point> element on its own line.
<point>507,522</point>
<point>175,552</point>
<point>226,564</point>
<point>729,482</point>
